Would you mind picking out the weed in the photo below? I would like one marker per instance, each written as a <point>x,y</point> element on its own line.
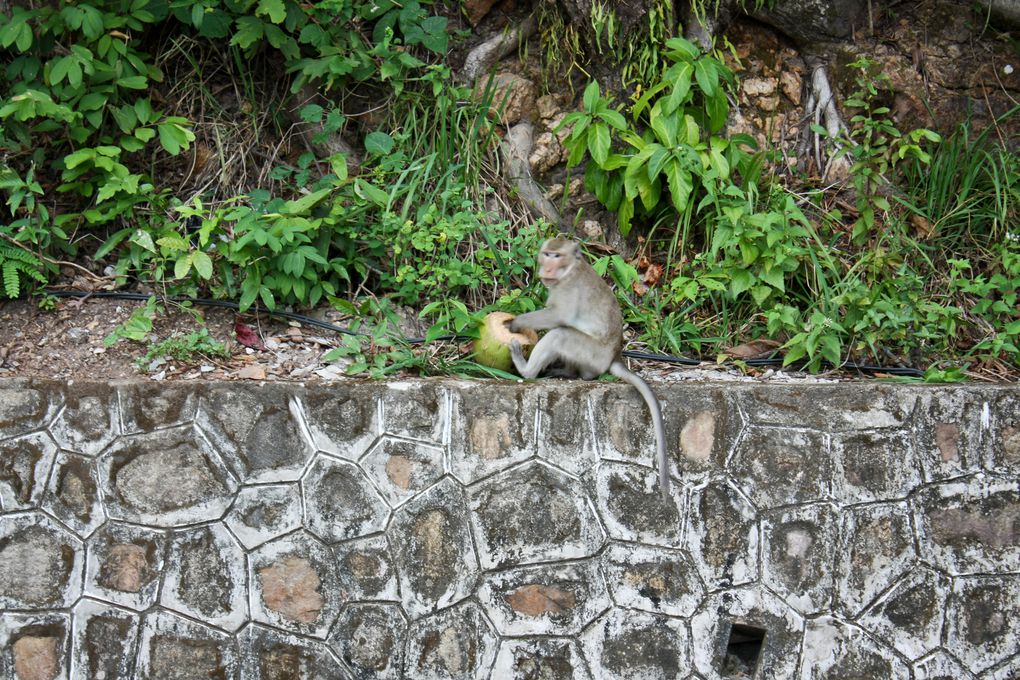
<point>184,348</point>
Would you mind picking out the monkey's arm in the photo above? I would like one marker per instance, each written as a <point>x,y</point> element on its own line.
<point>541,320</point>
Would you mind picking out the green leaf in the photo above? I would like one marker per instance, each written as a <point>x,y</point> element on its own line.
<point>774,277</point>
<point>831,349</point>
<point>614,118</point>
<point>624,215</point>
<point>682,49</point>
<point>740,280</point>
<point>275,9</point>
<point>591,96</point>
<point>707,75</point>
<point>75,159</point>
<point>371,193</point>
<point>182,267</point>
<point>302,205</point>
<point>599,142</point>
<point>378,143</point>
<point>216,25</point>
<point>112,242</point>
<point>92,22</point>
<point>60,68</point>
<point>197,15</point>
<point>681,89</point>
<point>718,111</point>
<point>203,264</point>
<point>249,31</point>
<point>759,294</point>
<point>680,187</point>
<point>134,82</point>
<point>664,126</point>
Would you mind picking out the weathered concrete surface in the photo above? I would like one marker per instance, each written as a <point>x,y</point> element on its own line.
<point>443,529</point>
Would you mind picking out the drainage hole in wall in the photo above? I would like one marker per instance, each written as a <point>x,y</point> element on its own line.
<point>743,648</point>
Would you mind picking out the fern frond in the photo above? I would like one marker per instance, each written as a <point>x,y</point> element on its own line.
<point>12,281</point>
<point>15,263</point>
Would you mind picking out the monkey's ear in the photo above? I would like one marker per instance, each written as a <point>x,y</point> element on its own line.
<point>576,251</point>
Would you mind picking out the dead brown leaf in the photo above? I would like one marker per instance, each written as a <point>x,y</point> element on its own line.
<point>756,349</point>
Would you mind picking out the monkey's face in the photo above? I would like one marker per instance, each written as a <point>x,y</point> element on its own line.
<point>551,267</point>
<point>555,260</point>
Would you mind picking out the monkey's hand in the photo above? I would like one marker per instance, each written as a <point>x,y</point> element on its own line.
<point>513,326</point>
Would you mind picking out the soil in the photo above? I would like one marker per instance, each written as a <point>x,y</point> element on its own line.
<point>68,343</point>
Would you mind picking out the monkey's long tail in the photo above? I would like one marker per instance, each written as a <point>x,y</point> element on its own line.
<point>623,373</point>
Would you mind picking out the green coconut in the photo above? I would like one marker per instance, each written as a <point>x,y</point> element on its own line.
<point>492,348</point>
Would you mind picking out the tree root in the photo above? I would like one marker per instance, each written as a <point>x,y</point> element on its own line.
<point>820,109</point>
<point>515,149</point>
<point>484,56</point>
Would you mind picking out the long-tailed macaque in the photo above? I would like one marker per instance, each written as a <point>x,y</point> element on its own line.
<point>585,331</point>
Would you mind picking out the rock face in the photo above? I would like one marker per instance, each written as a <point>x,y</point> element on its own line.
<point>441,530</point>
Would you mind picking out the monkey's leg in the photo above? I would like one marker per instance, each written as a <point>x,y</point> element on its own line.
<point>544,353</point>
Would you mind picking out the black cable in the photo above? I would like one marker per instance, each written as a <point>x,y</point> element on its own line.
<point>631,354</point>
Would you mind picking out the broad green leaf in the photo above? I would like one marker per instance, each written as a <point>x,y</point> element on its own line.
<point>718,110</point>
<point>636,171</point>
<point>599,142</point>
<point>143,111</point>
<point>680,187</point>
<point>249,31</point>
<point>112,242</point>
<point>75,159</point>
<point>144,239</point>
<point>774,277</point>
<point>378,143</point>
<point>664,127</point>
<point>740,280</point>
<point>759,294</point>
<point>624,215</point>
<point>683,48</point>
<point>655,162</point>
<point>707,75</point>
<point>169,139</point>
<point>197,16</point>
<point>614,118</point>
<point>92,22</point>
<point>681,89</point>
<point>691,131</point>
<point>371,193</point>
<point>305,203</point>
<point>60,68</point>
<point>831,349</point>
<point>182,267</point>
<point>591,95</point>
<point>275,9</point>
<point>339,165</point>
<point>719,163</point>
<point>203,264</point>
<point>134,82</point>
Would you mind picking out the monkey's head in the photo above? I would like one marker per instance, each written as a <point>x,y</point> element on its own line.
<point>556,259</point>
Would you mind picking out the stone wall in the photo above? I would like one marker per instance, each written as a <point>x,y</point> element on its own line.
<point>442,529</point>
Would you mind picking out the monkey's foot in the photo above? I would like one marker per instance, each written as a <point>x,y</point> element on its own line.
<point>516,351</point>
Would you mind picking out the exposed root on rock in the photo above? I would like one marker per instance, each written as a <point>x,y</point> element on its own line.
<point>821,110</point>
<point>484,56</point>
<point>515,149</point>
